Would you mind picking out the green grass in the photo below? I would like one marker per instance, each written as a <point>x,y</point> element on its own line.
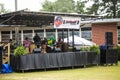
<point>88,73</point>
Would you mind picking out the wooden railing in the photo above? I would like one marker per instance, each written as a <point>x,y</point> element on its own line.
<point>8,52</point>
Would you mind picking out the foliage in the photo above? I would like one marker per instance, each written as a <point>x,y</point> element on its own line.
<point>94,8</point>
<point>48,6</point>
<point>118,51</point>
<point>2,9</point>
<point>70,49</point>
<point>84,49</point>
<point>117,48</point>
<point>80,6</point>
<point>20,50</point>
<point>59,6</point>
<point>110,8</point>
<point>95,48</point>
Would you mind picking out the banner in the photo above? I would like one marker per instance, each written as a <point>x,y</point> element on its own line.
<point>67,22</point>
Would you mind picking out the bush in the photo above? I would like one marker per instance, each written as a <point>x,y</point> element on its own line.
<point>95,48</point>
<point>118,50</point>
<point>84,49</point>
<point>70,49</point>
<point>20,50</point>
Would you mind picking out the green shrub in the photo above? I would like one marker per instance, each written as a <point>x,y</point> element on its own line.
<point>117,48</point>
<point>20,50</point>
<point>70,49</point>
<point>84,49</point>
<point>95,48</point>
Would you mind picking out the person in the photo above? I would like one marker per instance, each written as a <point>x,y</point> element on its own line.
<point>59,43</point>
<point>11,45</point>
<point>44,45</point>
<point>27,44</point>
<point>37,40</point>
<point>51,41</point>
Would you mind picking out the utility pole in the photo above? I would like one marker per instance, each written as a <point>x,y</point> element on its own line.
<point>15,5</point>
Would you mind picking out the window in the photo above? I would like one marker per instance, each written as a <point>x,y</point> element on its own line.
<point>5,36</point>
<point>62,32</point>
<point>40,33</point>
<point>87,33</point>
<point>76,32</point>
<point>119,35</point>
<point>13,36</point>
<point>50,33</point>
<point>27,33</point>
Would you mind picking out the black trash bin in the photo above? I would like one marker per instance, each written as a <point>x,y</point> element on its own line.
<point>108,55</point>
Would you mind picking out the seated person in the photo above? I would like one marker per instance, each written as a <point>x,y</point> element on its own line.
<point>44,46</point>
<point>27,44</point>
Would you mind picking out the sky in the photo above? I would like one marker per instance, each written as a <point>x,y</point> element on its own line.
<point>32,5</point>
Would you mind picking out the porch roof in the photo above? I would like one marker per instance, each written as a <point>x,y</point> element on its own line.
<point>36,19</point>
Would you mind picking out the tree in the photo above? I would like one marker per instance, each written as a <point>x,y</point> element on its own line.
<point>94,8</point>
<point>48,6</point>
<point>65,6</point>
<point>113,7</point>
<point>80,6</point>
<point>59,6</point>
<point>110,8</point>
<point>2,9</point>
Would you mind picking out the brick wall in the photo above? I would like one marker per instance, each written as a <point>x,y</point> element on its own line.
<point>99,29</point>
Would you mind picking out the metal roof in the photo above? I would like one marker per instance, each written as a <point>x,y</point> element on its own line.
<point>26,12</point>
<point>30,18</point>
<point>102,21</point>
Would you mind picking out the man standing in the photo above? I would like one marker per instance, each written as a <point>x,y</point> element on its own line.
<point>37,40</point>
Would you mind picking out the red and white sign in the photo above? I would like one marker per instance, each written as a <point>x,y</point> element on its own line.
<point>67,22</point>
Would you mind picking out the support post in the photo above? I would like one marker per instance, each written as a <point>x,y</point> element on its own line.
<point>73,39</point>
<point>63,34</point>
<point>8,53</point>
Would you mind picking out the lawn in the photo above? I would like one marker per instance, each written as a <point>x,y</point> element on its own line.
<point>88,73</point>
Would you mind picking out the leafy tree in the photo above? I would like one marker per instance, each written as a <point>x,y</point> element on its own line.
<point>2,9</point>
<point>80,6</point>
<point>111,8</point>
<point>59,6</point>
<point>94,8</point>
<point>65,6</point>
<point>48,6</point>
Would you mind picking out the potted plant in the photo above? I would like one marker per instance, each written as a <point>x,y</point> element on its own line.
<point>18,60</point>
<point>20,50</point>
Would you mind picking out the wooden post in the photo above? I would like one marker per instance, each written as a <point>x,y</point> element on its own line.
<point>8,53</point>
